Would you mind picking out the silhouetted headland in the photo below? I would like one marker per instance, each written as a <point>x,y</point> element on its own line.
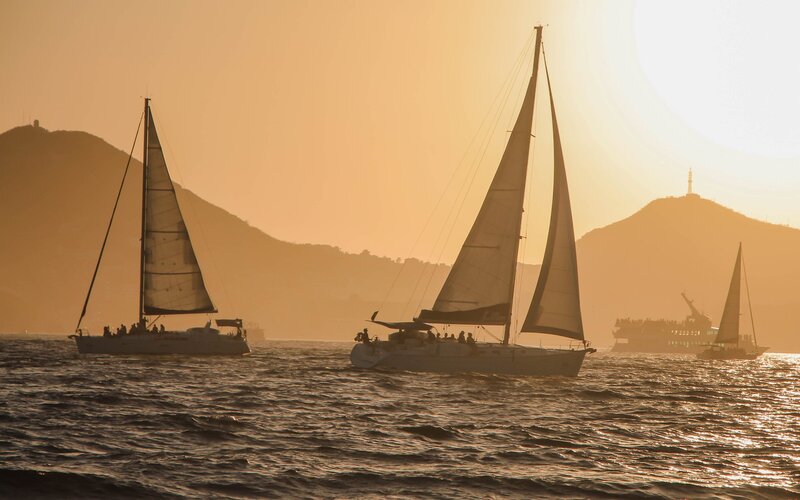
<point>58,187</point>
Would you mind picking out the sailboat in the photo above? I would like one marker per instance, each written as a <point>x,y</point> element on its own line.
<point>730,343</point>
<point>170,279</point>
<point>480,287</point>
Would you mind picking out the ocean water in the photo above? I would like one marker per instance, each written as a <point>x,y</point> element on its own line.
<point>295,420</point>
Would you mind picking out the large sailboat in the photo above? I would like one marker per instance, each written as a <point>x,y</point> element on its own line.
<point>480,287</point>
<point>730,343</point>
<point>170,279</point>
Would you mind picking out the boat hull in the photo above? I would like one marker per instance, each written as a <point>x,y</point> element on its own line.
<point>185,343</point>
<point>735,353</point>
<point>446,357</point>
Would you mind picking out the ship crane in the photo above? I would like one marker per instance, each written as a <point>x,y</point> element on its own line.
<point>695,313</point>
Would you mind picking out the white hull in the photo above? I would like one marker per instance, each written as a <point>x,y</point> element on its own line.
<point>452,357</point>
<point>191,343</point>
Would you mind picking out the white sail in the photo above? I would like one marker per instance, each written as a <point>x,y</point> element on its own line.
<point>556,305</point>
<point>478,289</point>
<point>172,282</point>
<point>729,324</point>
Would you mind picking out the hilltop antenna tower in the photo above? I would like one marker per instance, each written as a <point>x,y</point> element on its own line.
<point>689,193</point>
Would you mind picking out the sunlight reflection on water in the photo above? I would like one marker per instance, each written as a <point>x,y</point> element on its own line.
<point>295,419</point>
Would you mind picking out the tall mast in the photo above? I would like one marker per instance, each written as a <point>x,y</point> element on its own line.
<point>144,205</point>
<point>512,283</point>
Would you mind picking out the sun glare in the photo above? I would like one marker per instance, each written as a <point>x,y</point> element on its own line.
<point>727,69</point>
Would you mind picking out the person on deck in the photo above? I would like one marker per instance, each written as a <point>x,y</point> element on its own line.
<point>123,330</point>
<point>106,331</point>
<point>461,338</point>
<point>161,329</point>
<point>362,336</point>
<point>154,330</point>
<point>470,338</point>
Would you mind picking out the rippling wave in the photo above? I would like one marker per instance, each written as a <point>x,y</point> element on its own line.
<point>294,419</point>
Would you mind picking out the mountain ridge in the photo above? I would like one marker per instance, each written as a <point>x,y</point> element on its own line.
<point>60,186</point>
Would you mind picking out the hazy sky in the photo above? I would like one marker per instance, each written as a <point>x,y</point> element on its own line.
<point>342,122</point>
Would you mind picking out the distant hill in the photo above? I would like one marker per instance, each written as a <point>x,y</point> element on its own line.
<point>638,267</point>
<point>56,193</point>
<point>57,190</point>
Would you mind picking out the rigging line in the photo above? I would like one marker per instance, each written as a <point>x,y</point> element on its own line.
<point>466,188</point>
<point>466,184</point>
<point>455,209</point>
<point>523,87</point>
<point>504,89</point>
<point>477,165</point>
<point>198,221</point>
<point>749,303</point>
<point>461,162</point>
<point>110,222</point>
<point>153,322</point>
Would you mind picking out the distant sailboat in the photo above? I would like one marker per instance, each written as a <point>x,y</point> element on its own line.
<point>730,344</point>
<point>480,287</point>
<point>171,281</point>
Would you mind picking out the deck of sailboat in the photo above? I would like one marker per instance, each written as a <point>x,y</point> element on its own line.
<point>732,352</point>
<point>716,351</point>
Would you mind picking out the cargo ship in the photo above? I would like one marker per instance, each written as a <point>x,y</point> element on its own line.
<point>689,336</point>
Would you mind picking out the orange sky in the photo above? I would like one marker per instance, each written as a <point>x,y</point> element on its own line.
<point>341,122</point>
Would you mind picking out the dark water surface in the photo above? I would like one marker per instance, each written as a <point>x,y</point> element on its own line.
<point>294,419</point>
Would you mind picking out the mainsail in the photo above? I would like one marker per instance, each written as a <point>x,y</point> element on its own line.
<point>171,279</point>
<point>729,324</point>
<point>480,285</point>
<point>556,305</point>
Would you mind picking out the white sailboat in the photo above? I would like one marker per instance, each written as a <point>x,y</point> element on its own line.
<point>171,281</point>
<point>480,287</point>
<point>730,343</point>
